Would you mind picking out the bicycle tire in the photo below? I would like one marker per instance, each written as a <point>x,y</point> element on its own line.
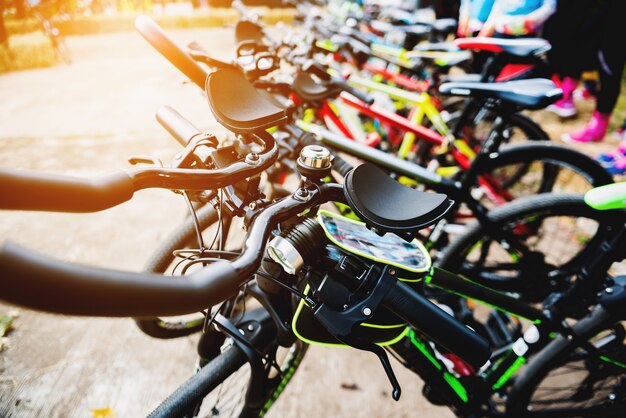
<point>526,219</point>
<point>541,167</point>
<point>220,387</point>
<point>531,129</point>
<point>159,262</point>
<point>201,384</point>
<point>554,366</point>
<point>162,258</point>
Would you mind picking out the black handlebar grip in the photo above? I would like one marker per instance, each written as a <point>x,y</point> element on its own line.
<point>179,127</point>
<point>28,190</point>
<point>177,56</point>
<point>42,283</point>
<point>437,324</point>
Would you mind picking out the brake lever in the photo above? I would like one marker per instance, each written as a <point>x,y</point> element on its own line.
<point>140,159</point>
<point>382,356</point>
<point>197,150</point>
<point>342,323</point>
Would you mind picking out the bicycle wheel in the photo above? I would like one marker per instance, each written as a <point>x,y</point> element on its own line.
<point>583,377</point>
<point>164,261</point>
<point>519,128</point>
<point>233,385</point>
<point>532,246</point>
<point>525,169</point>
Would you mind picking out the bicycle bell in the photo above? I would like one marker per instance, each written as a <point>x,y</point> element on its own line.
<point>314,162</point>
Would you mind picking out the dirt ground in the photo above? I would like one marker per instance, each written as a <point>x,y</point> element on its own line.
<point>88,118</point>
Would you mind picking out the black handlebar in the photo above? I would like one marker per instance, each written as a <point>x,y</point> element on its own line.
<point>153,33</point>
<point>39,282</point>
<point>42,283</point>
<point>437,324</point>
<point>29,190</point>
<point>179,127</point>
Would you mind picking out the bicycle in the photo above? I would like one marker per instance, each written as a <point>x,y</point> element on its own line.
<point>340,282</point>
<point>553,156</point>
<point>43,12</point>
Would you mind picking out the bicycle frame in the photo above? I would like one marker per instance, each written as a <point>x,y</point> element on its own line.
<point>342,122</point>
<point>459,191</point>
<point>584,293</point>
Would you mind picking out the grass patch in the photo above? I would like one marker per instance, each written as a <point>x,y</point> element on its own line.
<point>32,50</point>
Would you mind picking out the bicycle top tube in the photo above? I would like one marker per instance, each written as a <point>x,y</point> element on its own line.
<point>382,159</point>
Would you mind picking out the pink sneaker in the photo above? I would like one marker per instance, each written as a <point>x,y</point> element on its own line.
<point>564,108</point>
<point>594,131</point>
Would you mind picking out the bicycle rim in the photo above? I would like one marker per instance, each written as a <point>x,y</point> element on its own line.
<point>164,261</point>
<point>555,232</point>
<point>571,378</point>
<point>228,399</point>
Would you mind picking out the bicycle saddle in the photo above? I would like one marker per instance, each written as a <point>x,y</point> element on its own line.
<point>248,31</point>
<point>523,47</point>
<point>310,89</point>
<point>238,106</point>
<point>535,93</point>
<point>387,206</point>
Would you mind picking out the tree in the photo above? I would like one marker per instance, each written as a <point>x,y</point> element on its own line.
<point>4,37</point>
<point>20,8</point>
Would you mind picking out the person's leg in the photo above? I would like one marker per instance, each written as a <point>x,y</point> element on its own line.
<point>571,30</point>
<point>611,58</point>
<point>565,107</point>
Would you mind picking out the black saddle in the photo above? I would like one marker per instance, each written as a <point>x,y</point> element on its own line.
<point>387,206</point>
<point>311,90</point>
<point>536,93</point>
<point>519,47</point>
<point>238,106</point>
<point>246,31</point>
